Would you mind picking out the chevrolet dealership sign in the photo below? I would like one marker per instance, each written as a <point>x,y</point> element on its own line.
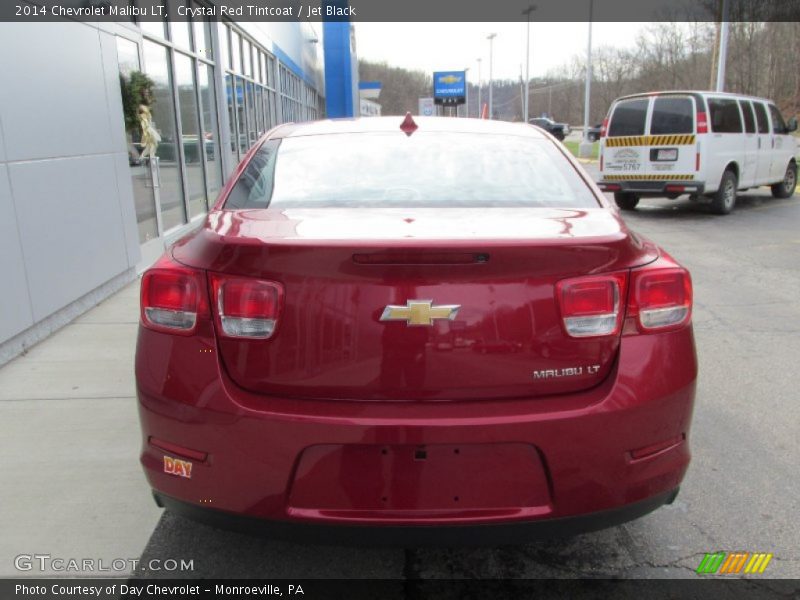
<point>450,87</point>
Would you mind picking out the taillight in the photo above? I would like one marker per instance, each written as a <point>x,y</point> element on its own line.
<point>604,128</point>
<point>172,297</point>
<point>702,122</point>
<point>660,298</point>
<point>592,306</point>
<point>246,308</point>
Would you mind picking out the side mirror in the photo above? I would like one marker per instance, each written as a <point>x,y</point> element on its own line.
<point>791,125</point>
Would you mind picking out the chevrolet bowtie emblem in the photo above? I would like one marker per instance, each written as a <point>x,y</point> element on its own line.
<point>420,312</point>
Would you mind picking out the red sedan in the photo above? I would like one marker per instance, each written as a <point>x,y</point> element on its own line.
<point>290,370</point>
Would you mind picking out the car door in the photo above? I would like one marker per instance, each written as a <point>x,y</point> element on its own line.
<point>726,142</point>
<point>751,150</point>
<point>764,134</point>
<point>782,146</point>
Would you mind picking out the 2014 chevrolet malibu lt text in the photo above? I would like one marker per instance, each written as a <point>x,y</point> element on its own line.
<point>429,331</point>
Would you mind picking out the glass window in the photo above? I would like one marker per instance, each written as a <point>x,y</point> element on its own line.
<point>180,35</point>
<point>156,62</point>
<point>260,110</point>
<point>241,118</point>
<point>672,115</point>
<point>725,117</point>
<point>749,119</point>
<point>236,52</point>
<point>372,170</point>
<point>190,133</point>
<point>628,117</point>
<point>154,28</point>
<point>202,37</point>
<point>761,117</point>
<point>210,134</point>
<point>230,94</point>
<point>141,175</point>
<point>224,46</point>
<point>247,52</point>
<point>252,122</point>
<point>778,124</point>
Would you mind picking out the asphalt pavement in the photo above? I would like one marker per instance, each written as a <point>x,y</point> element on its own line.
<point>73,487</point>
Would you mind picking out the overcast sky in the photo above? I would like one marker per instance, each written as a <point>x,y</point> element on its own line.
<point>453,46</point>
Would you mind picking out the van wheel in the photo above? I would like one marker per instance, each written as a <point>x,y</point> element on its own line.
<point>626,200</point>
<point>785,189</point>
<point>724,199</point>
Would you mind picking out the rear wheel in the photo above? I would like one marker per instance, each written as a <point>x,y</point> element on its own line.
<point>785,189</point>
<point>724,199</point>
<point>626,200</point>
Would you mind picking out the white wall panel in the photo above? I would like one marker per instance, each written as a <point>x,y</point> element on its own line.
<point>70,227</point>
<point>16,313</point>
<point>53,93</point>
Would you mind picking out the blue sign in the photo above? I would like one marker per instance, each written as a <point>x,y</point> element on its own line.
<point>450,85</point>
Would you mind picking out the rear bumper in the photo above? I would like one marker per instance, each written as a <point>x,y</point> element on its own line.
<point>653,188</point>
<point>571,462</point>
<point>413,536</point>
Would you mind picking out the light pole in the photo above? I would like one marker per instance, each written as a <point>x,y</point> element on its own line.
<point>527,12</point>
<point>490,37</point>
<point>466,93</point>
<point>585,147</point>
<point>479,90</point>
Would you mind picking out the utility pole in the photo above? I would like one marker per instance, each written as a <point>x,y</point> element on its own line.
<point>525,103</point>
<point>466,94</point>
<point>478,116</point>
<point>490,37</point>
<point>723,48</point>
<point>585,147</point>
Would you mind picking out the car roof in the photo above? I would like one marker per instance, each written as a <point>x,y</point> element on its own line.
<point>692,93</point>
<point>391,124</point>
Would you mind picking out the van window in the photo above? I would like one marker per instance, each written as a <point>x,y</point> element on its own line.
<point>672,115</point>
<point>761,117</point>
<point>725,116</point>
<point>778,126</point>
<point>629,117</point>
<point>749,120</point>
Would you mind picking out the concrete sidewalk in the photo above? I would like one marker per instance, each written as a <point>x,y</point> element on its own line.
<point>72,486</point>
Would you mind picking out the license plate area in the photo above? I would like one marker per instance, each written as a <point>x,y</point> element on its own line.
<point>663,154</point>
<point>419,478</point>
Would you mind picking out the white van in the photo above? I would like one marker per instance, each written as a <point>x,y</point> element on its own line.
<point>707,144</point>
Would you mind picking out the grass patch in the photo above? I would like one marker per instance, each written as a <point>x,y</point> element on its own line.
<point>572,146</point>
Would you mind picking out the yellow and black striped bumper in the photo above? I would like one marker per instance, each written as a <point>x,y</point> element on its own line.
<point>650,140</point>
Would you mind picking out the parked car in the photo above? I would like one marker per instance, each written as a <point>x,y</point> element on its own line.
<point>593,133</point>
<point>707,144</point>
<point>287,369</point>
<point>557,130</point>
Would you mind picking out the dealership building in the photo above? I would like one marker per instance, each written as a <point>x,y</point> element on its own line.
<point>83,208</point>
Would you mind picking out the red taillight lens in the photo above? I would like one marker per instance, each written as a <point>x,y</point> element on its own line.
<point>702,122</point>
<point>172,297</point>
<point>661,298</point>
<point>247,308</point>
<point>591,306</point>
<point>604,128</point>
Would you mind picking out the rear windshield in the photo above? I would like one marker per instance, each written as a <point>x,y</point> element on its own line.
<point>628,118</point>
<point>426,169</point>
<point>672,115</point>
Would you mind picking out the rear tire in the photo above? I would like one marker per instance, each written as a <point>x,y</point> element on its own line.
<point>785,189</point>
<point>626,200</point>
<point>724,199</point>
